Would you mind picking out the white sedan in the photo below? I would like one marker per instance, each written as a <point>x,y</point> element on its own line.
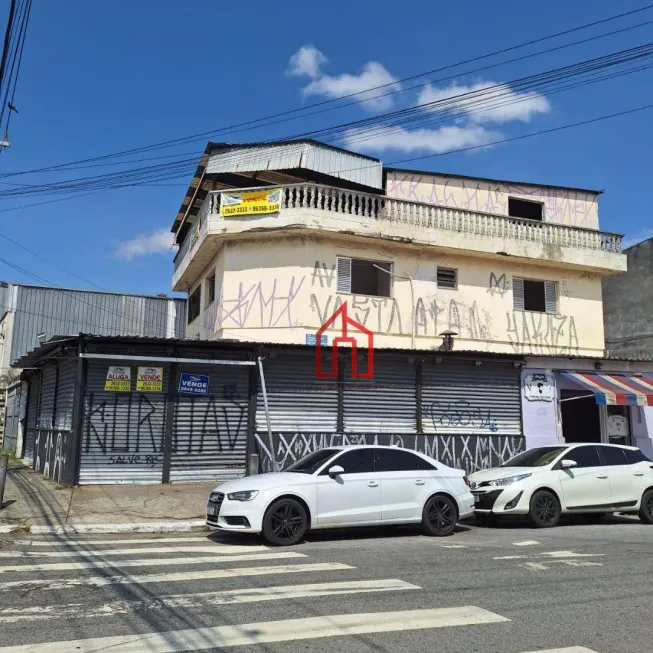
<point>340,487</point>
<point>546,482</point>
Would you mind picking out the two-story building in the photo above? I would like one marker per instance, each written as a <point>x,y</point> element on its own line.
<point>332,300</point>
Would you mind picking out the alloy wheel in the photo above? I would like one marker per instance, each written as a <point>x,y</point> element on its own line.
<point>649,505</point>
<point>545,509</point>
<point>287,521</point>
<point>440,514</point>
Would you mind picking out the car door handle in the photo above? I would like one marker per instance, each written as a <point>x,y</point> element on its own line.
<point>601,476</point>
<point>373,484</point>
<point>419,482</point>
<point>638,473</point>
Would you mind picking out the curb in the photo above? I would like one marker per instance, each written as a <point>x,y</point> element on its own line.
<point>139,527</point>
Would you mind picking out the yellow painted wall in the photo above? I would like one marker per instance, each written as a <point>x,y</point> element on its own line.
<point>279,290</point>
<point>561,205</point>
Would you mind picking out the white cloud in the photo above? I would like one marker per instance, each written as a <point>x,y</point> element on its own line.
<point>306,62</point>
<point>637,237</point>
<point>498,105</point>
<point>155,242</point>
<point>433,141</point>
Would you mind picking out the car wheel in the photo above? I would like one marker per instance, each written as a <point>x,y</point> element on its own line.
<point>544,509</point>
<point>439,516</point>
<point>646,509</point>
<point>285,522</point>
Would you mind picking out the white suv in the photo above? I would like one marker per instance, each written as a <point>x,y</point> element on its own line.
<point>546,482</point>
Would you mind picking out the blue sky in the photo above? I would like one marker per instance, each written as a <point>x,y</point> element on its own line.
<point>100,77</point>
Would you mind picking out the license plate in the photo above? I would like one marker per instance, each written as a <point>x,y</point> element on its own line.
<point>477,499</point>
<point>210,509</point>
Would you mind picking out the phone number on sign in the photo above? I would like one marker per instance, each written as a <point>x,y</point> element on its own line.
<point>270,208</point>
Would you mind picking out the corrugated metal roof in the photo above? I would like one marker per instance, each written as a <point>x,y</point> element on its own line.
<point>41,310</point>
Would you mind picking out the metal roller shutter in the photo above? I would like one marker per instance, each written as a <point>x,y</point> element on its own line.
<point>32,412</point>
<point>63,418</point>
<point>12,410</point>
<point>471,400</point>
<point>385,404</point>
<point>209,438</point>
<point>298,401</point>
<point>45,415</point>
<point>122,437</point>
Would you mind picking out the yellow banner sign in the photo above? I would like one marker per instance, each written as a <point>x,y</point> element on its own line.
<point>119,379</point>
<point>149,379</point>
<point>254,202</point>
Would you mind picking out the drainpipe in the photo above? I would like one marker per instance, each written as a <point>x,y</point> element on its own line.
<point>412,301</point>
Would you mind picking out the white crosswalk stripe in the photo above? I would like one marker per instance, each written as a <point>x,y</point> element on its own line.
<point>196,600</point>
<point>92,553</point>
<point>570,649</point>
<point>266,632</point>
<point>108,542</point>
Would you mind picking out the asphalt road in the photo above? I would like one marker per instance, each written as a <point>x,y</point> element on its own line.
<point>579,588</point>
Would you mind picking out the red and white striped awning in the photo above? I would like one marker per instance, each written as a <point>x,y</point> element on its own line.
<point>616,389</point>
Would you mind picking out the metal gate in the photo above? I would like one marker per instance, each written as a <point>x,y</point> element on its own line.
<point>298,401</point>
<point>384,404</point>
<point>469,399</point>
<point>209,437</point>
<point>34,393</point>
<point>63,414</point>
<point>12,419</point>
<point>123,432</point>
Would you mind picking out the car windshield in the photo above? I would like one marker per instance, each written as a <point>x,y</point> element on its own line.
<point>535,457</point>
<point>309,464</point>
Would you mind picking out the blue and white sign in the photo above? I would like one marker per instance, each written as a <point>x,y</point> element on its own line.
<point>194,384</point>
<point>311,339</point>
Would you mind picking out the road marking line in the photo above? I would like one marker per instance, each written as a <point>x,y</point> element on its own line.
<point>453,546</point>
<point>125,552</point>
<point>204,599</point>
<point>150,540</point>
<point>551,554</point>
<point>570,649</point>
<point>173,577</point>
<point>543,566</point>
<point>270,631</point>
<point>526,543</point>
<point>147,562</point>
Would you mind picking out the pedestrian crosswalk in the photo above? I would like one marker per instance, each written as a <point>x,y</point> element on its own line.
<point>100,595</point>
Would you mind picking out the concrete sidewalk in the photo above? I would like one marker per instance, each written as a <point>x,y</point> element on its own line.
<point>33,502</point>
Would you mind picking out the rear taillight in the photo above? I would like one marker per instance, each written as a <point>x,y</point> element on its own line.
<point>467,480</point>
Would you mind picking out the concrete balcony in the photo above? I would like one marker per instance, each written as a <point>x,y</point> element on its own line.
<point>348,214</point>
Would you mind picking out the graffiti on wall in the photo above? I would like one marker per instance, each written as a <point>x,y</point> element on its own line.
<point>452,414</point>
<point>468,452</point>
<point>542,333</point>
<point>498,285</point>
<point>264,304</point>
<point>52,455</point>
<point>562,205</point>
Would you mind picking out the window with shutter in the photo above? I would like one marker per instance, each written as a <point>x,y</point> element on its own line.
<point>551,296</point>
<point>344,274</point>
<point>447,278</point>
<point>518,294</point>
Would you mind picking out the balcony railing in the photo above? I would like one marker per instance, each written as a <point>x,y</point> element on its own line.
<point>382,208</point>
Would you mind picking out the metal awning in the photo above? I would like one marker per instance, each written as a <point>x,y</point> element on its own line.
<point>615,389</point>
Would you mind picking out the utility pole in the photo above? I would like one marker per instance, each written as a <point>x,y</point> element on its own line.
<point>4,459</point>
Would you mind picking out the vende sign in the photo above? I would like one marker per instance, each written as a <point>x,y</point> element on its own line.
<point>149,379</point>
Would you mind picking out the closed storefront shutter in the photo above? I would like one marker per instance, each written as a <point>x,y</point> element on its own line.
<point>32,412</point>
<point>209,439</point>
<point>466,399</point>
<point>298,401</point>
<point>384,404</point>
<point>63,418</point>
<point>11,419</point>
<point>122,437</point>
<point>45,416</point>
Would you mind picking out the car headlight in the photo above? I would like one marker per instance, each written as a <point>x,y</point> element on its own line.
<point>508,480</point>
<point>246,495</point>
<point>215,497</point>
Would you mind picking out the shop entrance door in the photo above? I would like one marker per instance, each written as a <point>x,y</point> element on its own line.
<point>618,425</point>
<point>580,417</point>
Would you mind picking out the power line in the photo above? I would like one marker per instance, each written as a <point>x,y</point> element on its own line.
<point>303,110</point>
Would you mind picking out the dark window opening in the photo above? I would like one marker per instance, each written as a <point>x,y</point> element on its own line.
<point>534,296</point>
<point>397,460</point>
<point>580,416</point>
<point>361,277</point>
<point>358,461</point>
<point>447,278</point>
<point>584,456</point>
<point>210,290</point>
<point>194,304</point>
<point>525,209</point>
<point>612,456</point>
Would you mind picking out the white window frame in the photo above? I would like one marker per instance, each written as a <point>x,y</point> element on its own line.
<point>551,295</point>
<point>343,275</point>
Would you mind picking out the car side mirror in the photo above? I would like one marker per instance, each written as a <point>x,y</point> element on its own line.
<point>336,470</point>
<point>568,464</point>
